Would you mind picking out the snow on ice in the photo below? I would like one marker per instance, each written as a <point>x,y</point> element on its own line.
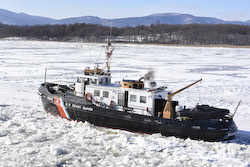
<point>31,137</point>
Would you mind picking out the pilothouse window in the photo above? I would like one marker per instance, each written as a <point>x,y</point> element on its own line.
<point>100,81</point>
<point>78,80</point>
<point>140,86</point>
<point>142,99</point>
<point>93,81</point>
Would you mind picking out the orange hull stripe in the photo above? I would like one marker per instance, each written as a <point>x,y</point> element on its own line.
<point>59,107</point>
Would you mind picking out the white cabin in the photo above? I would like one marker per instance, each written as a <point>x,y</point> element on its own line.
<point>135,96</point>
<point>131,95</point>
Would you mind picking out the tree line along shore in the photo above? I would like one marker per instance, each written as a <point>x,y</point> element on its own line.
<point>190,34</point>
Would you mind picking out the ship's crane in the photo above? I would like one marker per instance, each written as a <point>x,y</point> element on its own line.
<point>168,111</point>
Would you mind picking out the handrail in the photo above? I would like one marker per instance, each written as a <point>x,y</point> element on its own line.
<point>62,81</point>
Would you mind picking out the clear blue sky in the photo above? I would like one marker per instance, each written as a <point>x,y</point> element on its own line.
<point>223,9</point>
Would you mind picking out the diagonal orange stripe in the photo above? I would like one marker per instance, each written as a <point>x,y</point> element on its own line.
<point>59,107</point>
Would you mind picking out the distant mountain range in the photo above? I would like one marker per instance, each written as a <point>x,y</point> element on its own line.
<point>21,19</point>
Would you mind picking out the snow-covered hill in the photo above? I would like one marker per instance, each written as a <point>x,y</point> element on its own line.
<point>11,18</point>
<point>31,137</point>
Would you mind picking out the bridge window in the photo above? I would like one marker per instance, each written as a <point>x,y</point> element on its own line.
<point>78,80</point>
<point>93,81</point>
<point>100,81</point>
<point>140,86</point>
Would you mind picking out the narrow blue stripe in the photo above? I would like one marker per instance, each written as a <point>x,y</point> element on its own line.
<point>64,109</point>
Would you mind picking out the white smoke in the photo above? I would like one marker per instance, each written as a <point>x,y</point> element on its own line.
<point>150,75</point>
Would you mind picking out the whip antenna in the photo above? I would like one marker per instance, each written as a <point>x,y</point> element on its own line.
<point>45,75</point>
<point>110,33</point>
<point>236,108</point>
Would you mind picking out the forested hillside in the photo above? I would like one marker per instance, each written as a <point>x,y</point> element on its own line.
<point>190,34</point>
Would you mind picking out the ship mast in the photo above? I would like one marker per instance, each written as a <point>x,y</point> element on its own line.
<point>109,51</point>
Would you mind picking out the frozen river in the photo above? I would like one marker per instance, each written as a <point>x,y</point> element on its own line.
<point>31,137</point>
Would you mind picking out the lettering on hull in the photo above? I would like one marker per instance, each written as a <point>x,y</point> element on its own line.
<point>79,107</point>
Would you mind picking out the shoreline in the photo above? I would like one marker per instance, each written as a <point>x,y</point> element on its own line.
<point>156,44</point>
<point>207,46</point>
